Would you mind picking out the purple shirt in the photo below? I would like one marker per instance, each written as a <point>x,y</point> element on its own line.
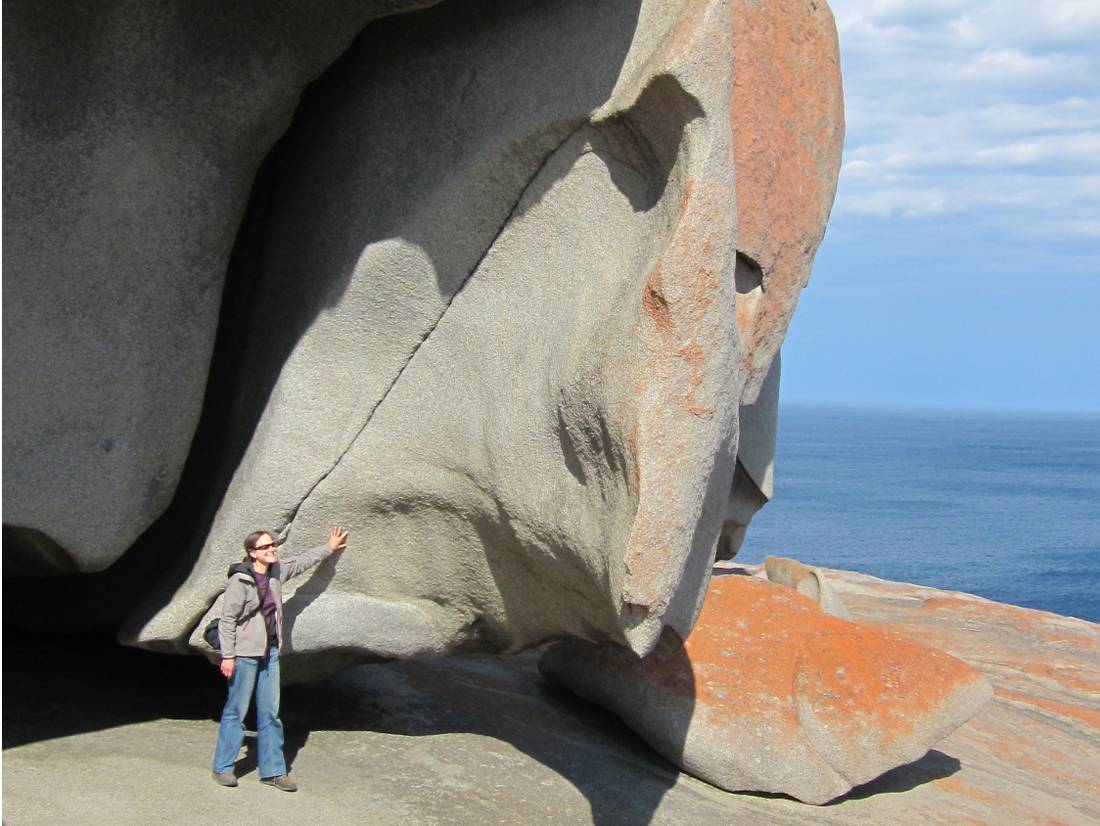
<point>267,606</point>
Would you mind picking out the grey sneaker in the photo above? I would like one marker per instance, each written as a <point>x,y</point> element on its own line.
<point>224,779</point>
<point>283,782</point>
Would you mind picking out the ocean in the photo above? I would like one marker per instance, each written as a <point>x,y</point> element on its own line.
<point>1003,505</point>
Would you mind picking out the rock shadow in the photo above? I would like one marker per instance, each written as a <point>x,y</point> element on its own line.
<point>935,765</point>
<point>56,686</point>
<point>59,686</point>
<point>622,779</point>
<point>65,685</point>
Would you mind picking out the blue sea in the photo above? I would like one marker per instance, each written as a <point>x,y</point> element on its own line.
<point>1003,505</point>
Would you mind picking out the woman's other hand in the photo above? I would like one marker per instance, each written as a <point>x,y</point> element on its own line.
<point>337,538</point>
<point>227,667</point>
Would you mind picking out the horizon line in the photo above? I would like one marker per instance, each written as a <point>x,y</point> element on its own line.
<point>935,406</point>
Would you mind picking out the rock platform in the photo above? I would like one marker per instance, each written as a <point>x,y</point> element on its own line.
<point>486,740</point>
<point>770,694</point>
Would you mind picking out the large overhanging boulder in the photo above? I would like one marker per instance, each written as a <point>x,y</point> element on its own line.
<point>525,267</point>
<point>132,135</point>
<point>511,284</point>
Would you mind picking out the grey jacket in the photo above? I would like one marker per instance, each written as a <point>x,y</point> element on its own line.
<point>241,630</point>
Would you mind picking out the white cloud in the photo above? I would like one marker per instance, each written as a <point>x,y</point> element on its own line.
<point>1029,24</point>
<point>974,24</point>
<point>1002,65</point>
<point>1087,185</point>
<point>1055,115</point>
<point>1065,227</point>
<point>985,111</point>
<point>1081,148</point>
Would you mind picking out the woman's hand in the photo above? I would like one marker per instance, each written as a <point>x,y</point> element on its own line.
<point>337,538</point>
<point>227,667</point>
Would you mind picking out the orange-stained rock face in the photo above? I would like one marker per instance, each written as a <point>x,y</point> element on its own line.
<point>788,129</point>
<point>1031,755</point>
<point>770,694</point>
<point>783,102</point>
<point>850,674</point>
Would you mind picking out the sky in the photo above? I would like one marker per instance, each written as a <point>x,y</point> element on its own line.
<point>961,265</point>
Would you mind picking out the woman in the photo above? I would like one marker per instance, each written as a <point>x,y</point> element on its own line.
<point>250,634</point>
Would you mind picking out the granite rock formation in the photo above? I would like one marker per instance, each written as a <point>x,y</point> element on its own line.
<point>770,694</point>
<point>419,742</point>
<point>520,308</point>
<point>133,133</point>
<point>810,582</point>
<point>504,294</point>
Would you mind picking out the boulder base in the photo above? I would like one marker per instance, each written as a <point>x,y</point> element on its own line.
<point>770,694</point>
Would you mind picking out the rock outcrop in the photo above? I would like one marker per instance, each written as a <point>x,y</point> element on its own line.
<point>770,694</point>
<point>482,739</point>
<point>501,289</point>
<point>133,133</point>
<point>521,270</point>
<point>810,582</point>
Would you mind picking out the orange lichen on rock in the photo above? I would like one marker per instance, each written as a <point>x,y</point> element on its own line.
<point>758,176</point>
<point>1049,628</point>
<point>849,675</point>
<point>790,107</point>
<point>768,693</point>
<point>1037,744</point>
<point>684,313</point>
<point>1087,717</point>
<point>958,787</point>
<point>655,304</point>
<point>693,355</point>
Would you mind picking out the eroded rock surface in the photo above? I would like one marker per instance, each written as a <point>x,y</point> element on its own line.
<point>132,134</point>
<point>418,741</point>
<point>505,298</point>
<point>770,694</point>
<point>513,292</point>
<point>810,582</point>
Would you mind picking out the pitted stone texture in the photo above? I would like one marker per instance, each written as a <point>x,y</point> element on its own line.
<point>770,694</point>
<point>132,134</point>
<point>500,277</point>
<point>810,582</point>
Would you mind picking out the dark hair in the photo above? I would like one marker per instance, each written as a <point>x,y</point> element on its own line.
<point>251,540</point>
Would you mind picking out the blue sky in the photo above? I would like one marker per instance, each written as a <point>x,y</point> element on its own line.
<point>961,267</point>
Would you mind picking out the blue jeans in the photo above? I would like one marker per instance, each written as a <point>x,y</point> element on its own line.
<point>262,675</point>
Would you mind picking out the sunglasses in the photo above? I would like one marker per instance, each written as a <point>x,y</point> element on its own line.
<point>265,547</point>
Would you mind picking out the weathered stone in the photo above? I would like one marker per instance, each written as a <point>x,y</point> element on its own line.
<point>770,694</point>
<point>753,476</point>
<point>477,740</point>
<point>132,135</point>
<point>503,338</point>
<point>810,582</point>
